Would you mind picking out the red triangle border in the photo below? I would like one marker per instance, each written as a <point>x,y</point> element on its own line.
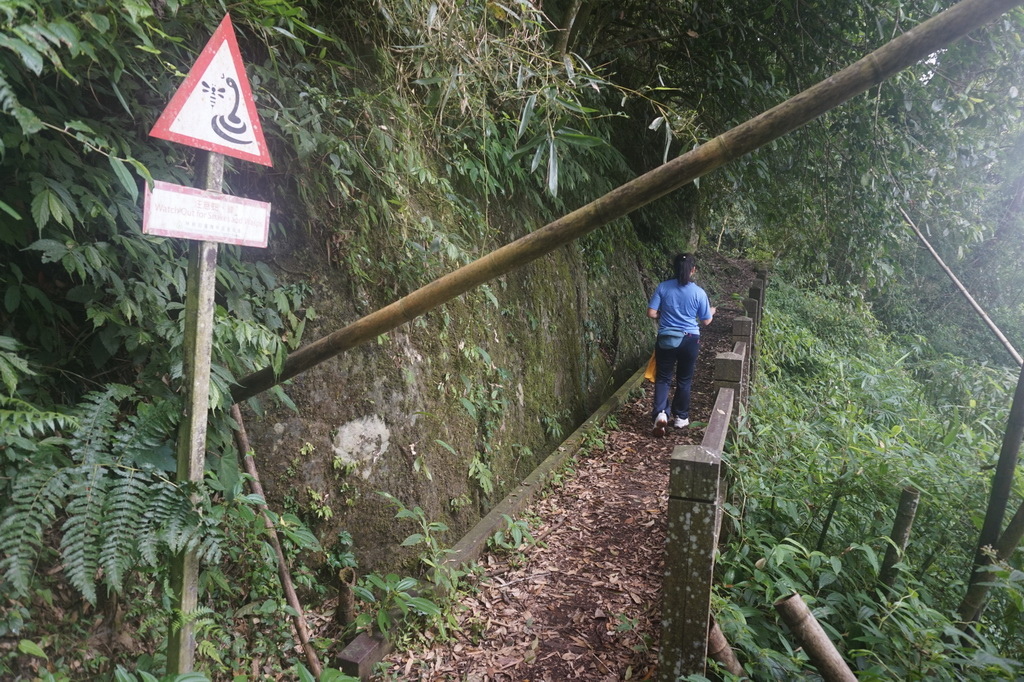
<point>161,129</point>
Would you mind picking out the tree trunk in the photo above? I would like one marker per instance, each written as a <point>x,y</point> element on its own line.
<point>900,536</point>
<point>562,46</point>
<point>1002,481</point>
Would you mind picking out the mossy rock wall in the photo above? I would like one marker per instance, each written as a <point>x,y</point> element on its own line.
<point>499,377</point>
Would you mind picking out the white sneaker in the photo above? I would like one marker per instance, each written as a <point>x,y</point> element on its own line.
<point>660,422</point>
<point>681,423</point>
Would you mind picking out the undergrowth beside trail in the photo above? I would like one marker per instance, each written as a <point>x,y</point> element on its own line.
<point>842,418</point>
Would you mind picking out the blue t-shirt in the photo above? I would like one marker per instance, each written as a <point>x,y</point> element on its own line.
<point>680,306</point>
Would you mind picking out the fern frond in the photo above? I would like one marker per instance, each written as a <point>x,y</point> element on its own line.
<point>96,423</point>
<point>116,512</point>
<point>19,418</point>
<point>165,502</point>
<point>36,500</point>
<point>80,542</point>
<point>125,505</point>
<point>177,529</point>
<point>150,429</point>
<point>210,545</point>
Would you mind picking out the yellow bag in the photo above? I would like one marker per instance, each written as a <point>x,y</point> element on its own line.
<point>650,372</point>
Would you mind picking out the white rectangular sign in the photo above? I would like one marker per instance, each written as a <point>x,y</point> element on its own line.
<point>189,213</point>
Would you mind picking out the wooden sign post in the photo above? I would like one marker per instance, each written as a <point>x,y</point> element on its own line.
<point>201,282</point>
<point>212,110</point>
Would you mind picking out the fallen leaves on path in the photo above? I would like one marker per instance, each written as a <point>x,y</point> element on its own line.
<point>583,603</point>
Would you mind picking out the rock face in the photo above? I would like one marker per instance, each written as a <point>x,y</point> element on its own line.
<point>451,410</point>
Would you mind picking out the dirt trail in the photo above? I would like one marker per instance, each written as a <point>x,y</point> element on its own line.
<point>584,603</point>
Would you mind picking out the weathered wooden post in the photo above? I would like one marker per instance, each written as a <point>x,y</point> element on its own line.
<point>900,536</point>
<point>730,373</point>
<point>689,561</point>
<point>756,293</point>
<point>694,522</point>
<point>226,123</point>
<point>201,282</point>
<point>743,333</point>
<point>752,308</point>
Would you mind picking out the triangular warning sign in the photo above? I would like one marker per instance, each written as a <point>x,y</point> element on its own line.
<point>213,109</point>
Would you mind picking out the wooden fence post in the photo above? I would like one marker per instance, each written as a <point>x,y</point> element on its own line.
<point>689,561</point>
<point>743,333</point>
<point>757,294</point>
<point>730,374</point>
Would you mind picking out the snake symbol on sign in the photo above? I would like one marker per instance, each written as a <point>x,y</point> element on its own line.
<point>230,126</point>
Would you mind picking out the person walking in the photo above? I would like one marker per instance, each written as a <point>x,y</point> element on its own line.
<point>677,305</point>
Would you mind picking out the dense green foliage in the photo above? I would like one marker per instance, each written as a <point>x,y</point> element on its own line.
<point>941,140</point>
<point>362,131</point>
<point>843,418</point>
<point>382,113</point>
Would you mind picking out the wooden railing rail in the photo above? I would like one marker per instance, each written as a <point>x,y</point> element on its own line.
<point>696,495</point>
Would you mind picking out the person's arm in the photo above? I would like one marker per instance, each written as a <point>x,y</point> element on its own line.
<point>713,310</point>
<point>652,313</point>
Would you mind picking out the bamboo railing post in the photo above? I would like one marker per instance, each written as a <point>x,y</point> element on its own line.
<point>900,536</point>
<point>689,561</point>
<point>812,638</point>
<point>906,49</point>
<point>720,651</point>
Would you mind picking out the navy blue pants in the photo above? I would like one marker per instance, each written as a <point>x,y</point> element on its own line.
<point>679,361</point>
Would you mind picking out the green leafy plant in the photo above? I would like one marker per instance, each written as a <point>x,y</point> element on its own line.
<point>818,467</point>
<point>118,506</point>
<point>384,595</point>
<point>514,534</point>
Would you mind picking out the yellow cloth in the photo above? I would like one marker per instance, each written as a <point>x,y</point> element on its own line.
<point>649,374</point>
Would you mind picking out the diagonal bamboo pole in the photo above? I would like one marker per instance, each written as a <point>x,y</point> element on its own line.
<point>909,48</point>
<point>814,640</point>
<point>963,290</point>
<point>298,617</point>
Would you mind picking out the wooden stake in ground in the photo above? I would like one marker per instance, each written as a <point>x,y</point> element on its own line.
<point>202,276</point>
<point>909,48</point>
